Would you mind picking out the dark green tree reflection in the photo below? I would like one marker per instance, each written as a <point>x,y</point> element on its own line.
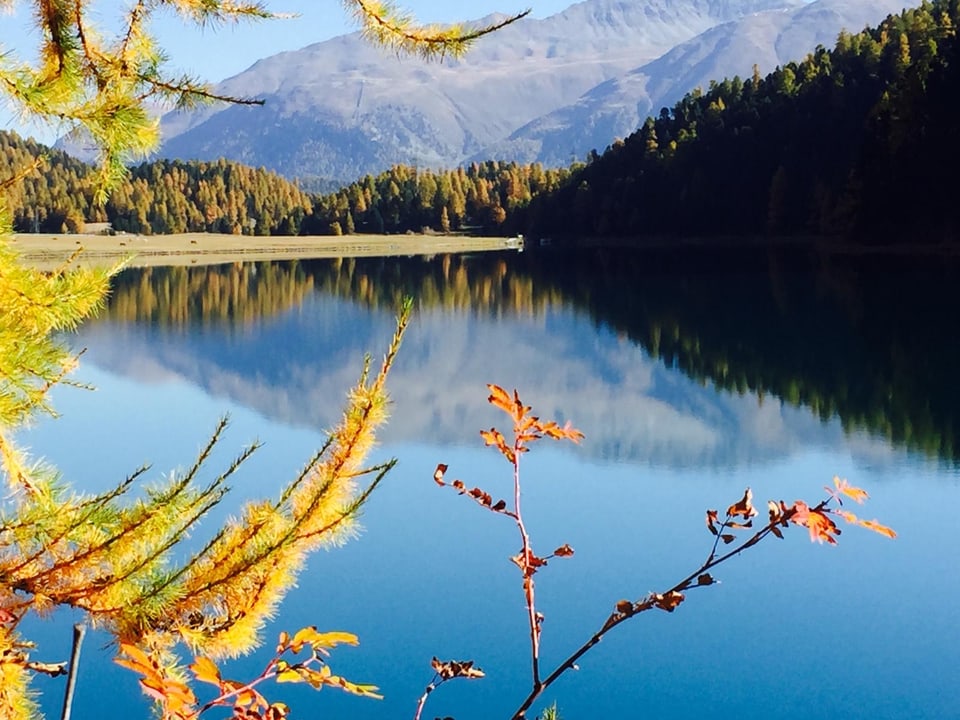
<point>868,341</point>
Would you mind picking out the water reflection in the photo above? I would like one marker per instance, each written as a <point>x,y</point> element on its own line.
<point>860,346</point>
<point>632,349</point>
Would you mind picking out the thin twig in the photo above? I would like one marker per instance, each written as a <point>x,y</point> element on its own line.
<point>647,603</point>
<point>78,632</point>
<point>528,588</point>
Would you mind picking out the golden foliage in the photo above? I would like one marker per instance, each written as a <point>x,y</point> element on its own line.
<point>113,556</point>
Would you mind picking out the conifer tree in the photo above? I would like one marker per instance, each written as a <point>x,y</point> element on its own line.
<point>111,555</point>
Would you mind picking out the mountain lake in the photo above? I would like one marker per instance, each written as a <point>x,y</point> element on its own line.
<point>691,380</point>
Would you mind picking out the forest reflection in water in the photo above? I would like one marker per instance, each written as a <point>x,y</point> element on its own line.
<point>868,341</point>
<point>690,379</point>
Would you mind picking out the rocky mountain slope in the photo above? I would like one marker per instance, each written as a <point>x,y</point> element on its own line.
<point>618,106</point>
<point>548,89</point>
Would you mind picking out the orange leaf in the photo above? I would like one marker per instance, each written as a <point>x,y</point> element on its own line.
<point>563,551</point>
<point>438,474</point>
<point>822,529</point>
<point>493,437</point>
<point>319,641</point>
<point>205,670</point>
<point>153,689</point>
<point>570,433</point>
<point>499,398</point>
<point>529,422</point>
<point>848,516</point>
<point>138,661</point>
<point>856,494</point>
<point>519,409</point>
<point>332,639</point>
<point>370,691</point>
<point>878,528</point>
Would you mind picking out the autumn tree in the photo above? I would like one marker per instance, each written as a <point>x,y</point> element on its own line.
<point>110,555</point>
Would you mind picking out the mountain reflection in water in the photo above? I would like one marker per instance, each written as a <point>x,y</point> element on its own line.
<point>867,343</point>
<point>690,381</point>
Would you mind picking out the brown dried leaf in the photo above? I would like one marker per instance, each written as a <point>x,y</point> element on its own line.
<point>774,510</point>
<point>670,601</point>
<point>536,561</point>
<point>563,551</point>
<point>712,520</point>
<point>743,507</point>
<point>450,669</point>
<point>438,474</point>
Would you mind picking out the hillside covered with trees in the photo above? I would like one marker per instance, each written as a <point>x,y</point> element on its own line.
<point>851,141</point>
<point>175,197</point>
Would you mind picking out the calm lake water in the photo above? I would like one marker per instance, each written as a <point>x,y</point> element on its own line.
<point>690,382</point>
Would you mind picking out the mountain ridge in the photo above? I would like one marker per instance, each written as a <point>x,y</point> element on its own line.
<point>342,108</point>
<point>619,106</point>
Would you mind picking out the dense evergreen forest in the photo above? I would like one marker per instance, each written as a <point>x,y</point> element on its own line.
<point>858,140</point>
<point>170,196</point>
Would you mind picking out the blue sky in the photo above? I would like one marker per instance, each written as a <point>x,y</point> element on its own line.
<point>217,53</point>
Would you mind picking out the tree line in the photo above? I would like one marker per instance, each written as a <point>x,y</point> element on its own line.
<point>737,319</point>
<point>174,196</point>
<point>849,141</point>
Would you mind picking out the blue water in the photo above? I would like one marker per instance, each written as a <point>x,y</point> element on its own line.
<point>868,629</point>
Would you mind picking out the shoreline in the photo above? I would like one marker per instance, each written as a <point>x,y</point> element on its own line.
<point>48,251</point>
